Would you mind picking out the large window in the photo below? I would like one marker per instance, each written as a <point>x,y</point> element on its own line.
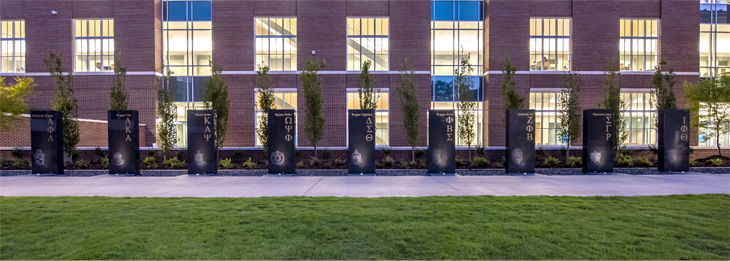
<point>478,127</point>
<point>94,45</point>
<point>13,46</point>
<point>283,101</point>
<point>714,38</point>
<point>276,43</point>
<point>708,137</point>
<point>640,118</point>
<point>550,44</point>
<point>639,44</point>
<point>381,115</point>
<point>546,108</point>
<point>367,40</point>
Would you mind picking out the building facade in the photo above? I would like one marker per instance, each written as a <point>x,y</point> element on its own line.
<point>543,40</point>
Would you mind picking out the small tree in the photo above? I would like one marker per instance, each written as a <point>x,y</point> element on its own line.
<point>710,99</point>
<point>215,97</point>
<point>463,83</point>
<point>314,120</point>
<point>569,111</point>
<point>612,84</point>
<point>14,101</point>
<point>167,112</point>
<point>408,92</point>
<point>663,92</point>
<point>513,100</point>
<point>65,102</point>
<point>119,99</point>
<point>366,90</point>
<point>266,101</point>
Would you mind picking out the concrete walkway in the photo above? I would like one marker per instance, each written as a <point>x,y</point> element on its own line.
<point>380,186</point>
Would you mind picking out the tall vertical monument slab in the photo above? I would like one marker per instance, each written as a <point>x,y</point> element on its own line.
<point>202,147</point>
<point>520,141</point>
<point>282,142</point>
<point>673,139</point>
<point>597,141</point>
<point>123,142</point>
<point>46,139</point>
<point>361,141</point>
<point>441,141</point>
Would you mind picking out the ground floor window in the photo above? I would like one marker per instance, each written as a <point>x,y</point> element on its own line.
<point>478,127</point>
<point>381,115</point>
<point>181,122</point>
<point>283,101</point>
<point>640,118</point>
<point>545,105</point>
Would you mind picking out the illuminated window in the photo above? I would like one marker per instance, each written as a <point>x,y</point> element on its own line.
<point>276,43</point>
<point>640,118</point>
<point>546,108</point>
<point>708,137</point>
<point>94,45</point>
<point>367,39</point>
<point>639,44</point>
<point>381,115</point>
<point>283,101</point>
<point>478,127</point>
<point>13,46</point>
<point>549,44</point>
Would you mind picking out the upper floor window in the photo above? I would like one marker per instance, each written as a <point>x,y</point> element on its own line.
<point>381,114</point>
<point>94,45</point>
<point>276,43</point>
<point>187,37</point>
<point>367,39</point>
<point>12,45</point>
<point>550,44</point>
<point>639,44</point>
<point>640,118</point>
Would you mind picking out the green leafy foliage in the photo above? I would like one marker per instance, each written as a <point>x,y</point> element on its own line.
<point>21,164</point>
<point>663,92</point>
<point>574,162</point>
<point>366,90</point>
<point>710,100</point>
<point>14,101</point>
<point>166,113</point>
<point>182,155</point>
<point>340,162</point>
<point>386,150</point>
<point>408,94</point>
<point>612,87</point>
<point>326,153</point>
<point>266,100</point>
<point>644,161</point>
<point>119,99</point>
<point>513,100</point>
<point>624,161</point>
<point>314,119</point>
<point>692,162</point>
<point>716,162</point>
<point>104,162</point>
<point>215,97</point>
<point>479,162</point>
<point>459,162</point>
<point>64,101</point>
<point>150,163</point>
<point>249,164</point>
<point>405,164</point>
<point>174,163</point>
<point>551,162</point>
<point>569,111</point>
<point>81,164</point>
<point>17,153</point>
<point>466,106</point>
<point>300,164</point>
<point>226,163</point>
<point>314,161</point>
<point>388,161</point>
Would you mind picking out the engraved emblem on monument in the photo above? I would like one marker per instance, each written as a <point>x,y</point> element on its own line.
<point>199,158</point>
<point>673,156</point>
<point>517,156</point>
<point>117,159</point>
<point>277,158</point>
<point>437,157</point>
<point>596,157</point>
<point>39,157</point>
<point>356,157</point>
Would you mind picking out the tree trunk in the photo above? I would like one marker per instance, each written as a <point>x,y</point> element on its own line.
<point>567,153</point>
<point>469,148</point>
<point>413,153</point>
<point>315,151</point>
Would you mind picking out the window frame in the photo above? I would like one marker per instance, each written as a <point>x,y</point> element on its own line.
<point>480,112</point>
<point>361,36</point>
<point>88,40</point>
<point>352,91</point>
<point>644,38</point>
<point>285,92</point>
<point>648,112</point>
<point>283,37</point>
<point>557,37</point>
<point>539,112</point>
<point>15,54</point>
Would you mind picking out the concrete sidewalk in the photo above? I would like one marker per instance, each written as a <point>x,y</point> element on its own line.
<point>379,186</point>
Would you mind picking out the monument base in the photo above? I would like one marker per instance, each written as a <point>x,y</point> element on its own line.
<point>280,175</point>
<point>362,175</point>
<point>441,174</point>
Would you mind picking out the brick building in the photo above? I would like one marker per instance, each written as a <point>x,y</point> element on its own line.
<point>544,39</point>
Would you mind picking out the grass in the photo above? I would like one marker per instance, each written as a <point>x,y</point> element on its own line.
<point>480,227</point>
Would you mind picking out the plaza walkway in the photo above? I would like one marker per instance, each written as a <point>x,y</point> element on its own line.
<point>380,186</point>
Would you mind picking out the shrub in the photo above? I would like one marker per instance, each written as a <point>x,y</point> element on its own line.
<point>479,162</point>
<point>225,163</point>
<point>326,153</point>
<point>150,162</point>
<point>3,163</point>
<point>643,161</point>
<point>716,162</point>
<point>340,162</point>
<point>407,164</point>
<point>480,150</point>
<point>20,164</point>
<point>174,163</point>
<point>151,153</point>
<point>421,164</point>
<point>692,163</point>
<point>378,165</point>
<point>82,164</point>
<point>420,153</point>
<point>387,150</point>
<point>459,162</point>
<point>551,162</point>
<point>388,161</point>
<point>563,150</point>
<point>182,155</point>
<point>248,164</point>
<point>654,149</point>
<point>300,164</point>
<point>105,162</point>
<point>624,161</point>
<point>237,154</point>
<point>75,154</point>
<point>540,152</point>
<point>574,162</point>
<point>17,153</point>
<point>99,152</point>
<point>327,165</point>
<point>314,161</point>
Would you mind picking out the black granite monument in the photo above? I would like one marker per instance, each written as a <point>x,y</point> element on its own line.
<point>520,141</point>
<point>202,147</point>
<point>46,142</point>
<point>597,141</point>
<point>361,137</point>
<point>441,141</point>
<point>673,139</point>
<point>282,142</point>
<point>123,142</point>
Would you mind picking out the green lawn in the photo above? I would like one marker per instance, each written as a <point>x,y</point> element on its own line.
<point>480,227</point>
